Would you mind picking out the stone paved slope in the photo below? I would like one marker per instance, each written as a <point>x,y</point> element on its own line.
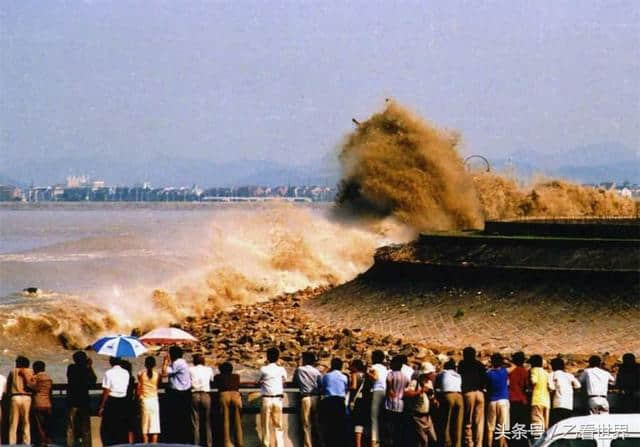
<point>536,318</point>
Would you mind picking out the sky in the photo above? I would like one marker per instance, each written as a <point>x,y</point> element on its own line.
<point>281,80</point>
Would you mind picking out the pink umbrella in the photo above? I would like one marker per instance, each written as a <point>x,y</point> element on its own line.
<point>167,336</point>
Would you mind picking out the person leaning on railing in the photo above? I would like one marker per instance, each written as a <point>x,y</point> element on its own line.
<point>228,385</point>
<point>148,381</point>
<point>114,405</point>
<point>178,396</point>
<point>18,386</point>
<point>272,379</point>
<point>80,377</point>
<point>308,379</point>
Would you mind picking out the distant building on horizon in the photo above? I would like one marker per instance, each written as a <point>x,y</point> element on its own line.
<point>10,193</point>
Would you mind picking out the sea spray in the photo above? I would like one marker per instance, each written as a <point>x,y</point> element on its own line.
<point>503,198</point>
<point>396,164</point>
<point>249,254</point>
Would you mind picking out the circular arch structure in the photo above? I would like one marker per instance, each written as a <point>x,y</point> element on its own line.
<point>472,157</point>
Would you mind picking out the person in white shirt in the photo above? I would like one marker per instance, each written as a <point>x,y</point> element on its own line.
<point>377,374</point>
<point>449,383</point>
<point>272,378</point>
<point>595,382</point>
<point>114,427</point>
<point>407,370</point>
<point>3,388</point>
<point>562,384</point>
<point>201,378</point>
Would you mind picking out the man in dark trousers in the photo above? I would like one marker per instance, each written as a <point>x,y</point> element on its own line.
<point>178,397</point>
<point>80,378</point>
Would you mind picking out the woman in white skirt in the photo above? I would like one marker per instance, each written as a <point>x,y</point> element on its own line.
<point>148,392</point>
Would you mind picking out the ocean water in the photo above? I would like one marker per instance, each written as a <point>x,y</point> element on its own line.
<point>88,252</point>
<point>109,268</point>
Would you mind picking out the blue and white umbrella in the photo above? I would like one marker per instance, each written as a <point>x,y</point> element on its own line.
<point>119,346</point>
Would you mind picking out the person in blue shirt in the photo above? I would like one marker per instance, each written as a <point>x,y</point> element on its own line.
<point>178,396</point>
<point>498,408</point>
<point>333,413</point>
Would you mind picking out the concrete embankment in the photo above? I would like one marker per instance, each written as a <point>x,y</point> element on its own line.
<point>548,295</point>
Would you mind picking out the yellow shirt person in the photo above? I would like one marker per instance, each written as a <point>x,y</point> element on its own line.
<point>540,398</point>
<point>540,381</point>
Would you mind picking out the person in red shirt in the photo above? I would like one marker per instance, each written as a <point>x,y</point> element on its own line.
<point>518,400</point>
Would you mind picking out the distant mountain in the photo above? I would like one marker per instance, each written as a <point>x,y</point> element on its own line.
<point>584,164</point>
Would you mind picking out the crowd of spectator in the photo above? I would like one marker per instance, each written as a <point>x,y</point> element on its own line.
<point>388,402</point>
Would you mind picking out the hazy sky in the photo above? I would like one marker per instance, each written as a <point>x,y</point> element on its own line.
<point>282,80</point>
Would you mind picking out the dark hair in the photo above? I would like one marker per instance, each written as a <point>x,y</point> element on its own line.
<point>629,360</point>
<point>308,358</point>
<point>38,366</point>
<point>535,361</point>
<point>357,365</point>
<point>150,363</point>
<point>557,364</point>
<point>594,361</point>
<point>126,364</point>
<point>22,362</point>
<point>80,358</point>
<point>198,359</point>
<point>396,363</point>
<point>336,364</point>
<point>449,364</point>
<point>497,360</point>
<point>468,354</point>
<point>175,352</point>
<point>226,368</point>
<point>273,354</point>
<point>518,358</point>
<point>404,359</point>
<point>113,361</point>
<point>377,356</point>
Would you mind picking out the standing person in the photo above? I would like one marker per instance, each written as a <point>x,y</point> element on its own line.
<point>308,379</point>
<point>498,395</point>
<point>474,383</point>
<point>377,373</point>
<point>450,383</point>
<point>359,399</point>
<point>178,396</point>
<point>409,372</point>
<point>421,390</point>
<point>18,384</point>
<point>333,412</point>
<point>3,389</point>
<point>41,409</point>
<point>114,405</point>
<point>397,381</point>
<point>272,378</point>
<point>80,378</point>
<point>628,382</point>
<point>518,400</point>
<point>540,398</point>
<point>148,380</point>
<point>228,385</point>
<point>595,382</point>
<point>201,378</point>
<point>562,384</point>
<point>132,403</point>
